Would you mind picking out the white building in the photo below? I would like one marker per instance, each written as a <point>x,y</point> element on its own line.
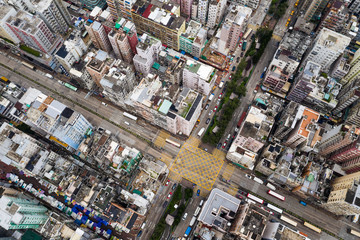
<point>215,12</point>
<point>202,11</point>
<point>199,77</point>
<point>148,50</point>
<point>5,31</point>
<point>253,4</point>
<point>327,47</point>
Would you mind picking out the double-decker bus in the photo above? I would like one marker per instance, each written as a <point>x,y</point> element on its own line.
<point>272,207</point>
<point>312,227</point>
<point>172,142</point>
<point>288,220</point>
<point>256,199</point>
<point>274,194</point>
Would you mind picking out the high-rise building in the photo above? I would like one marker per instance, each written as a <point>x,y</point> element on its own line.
<point>148,50</point>
<point>5,32</point>
<point>287,121</point>
<point>337,138</point>
<point>253,4</point>
<point>313,9</point>
<point>194,9</point>
<point>185,7</point>
<point>91,4</point>
<point>33,31</point>
<point>354,115</point>
<point>194,39</point>
<point>234,26</point>
<point>335,17</point>
<point>354,71</point>
<point>54,14</point>
<point>348,95</point>
<point>327,47</point>
<point>354,6</point>
<point>120,8</point>
<point>344,199</point>
<point>161,20</point>
<point>20,212</point>
<point>215,12</point>
<point>98,35</point>
<point>202,10</point>
<point>303,85</point>
<point>301,130</point>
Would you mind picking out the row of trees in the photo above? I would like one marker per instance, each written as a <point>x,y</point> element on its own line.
<point>278,8</point>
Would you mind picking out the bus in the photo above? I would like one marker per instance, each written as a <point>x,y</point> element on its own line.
<point>274,194</point>
<point>128,115</point>
<point>201,132</point>
<point>312,227</point>
<point>256,199</point>
<point>28,65</point>
<point>276,209</point>
<point>272,187</point>
<point>248,32</point>
<point>288,220</point>
<point>172,142</point>
<point>70,86</point>
<point>355,233</point>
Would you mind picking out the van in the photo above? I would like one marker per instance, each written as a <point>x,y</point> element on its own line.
<point>184,217</point>
<point>197,211</point>
<point>201,203</point>
<point>143,225</point>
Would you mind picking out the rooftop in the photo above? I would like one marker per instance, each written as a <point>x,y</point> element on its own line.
<point>308,117</point>
<point>332,40</point>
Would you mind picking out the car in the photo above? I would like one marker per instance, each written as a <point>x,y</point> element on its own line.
<point>167,182</point>
<point>207,106</point>
<point>236,129</point>
<point>224,145</point>
<point>207,121</point>
<point>215,108</point>
<point>198,192</point>
<point>242,192</point>
<point>210,113</point>
<point>248,176</point>
<point>289,19</point>
<point>237,59</point>
<point>169,196</point>
<point>230,76</point>
<point>139,234</point>
<point>105,104</point>
<point>218,146</point>
<point>233,69</point>
<point>184,217</point>
<point>174,186</point>
<point>205,149</point>
<point>292,13</point>
<point>165,204</point>
<point>242,54</point>
<point>220,95</point>
<point>239,196</point>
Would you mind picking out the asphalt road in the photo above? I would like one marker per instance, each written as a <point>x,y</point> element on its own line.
<point>114,114</point>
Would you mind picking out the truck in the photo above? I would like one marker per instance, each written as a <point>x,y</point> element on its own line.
<point>258,180</point>
<point>211,96</point>
<point>49,76</point>
<point>4,79</point>
<point>244,45</point>
<point>221,84</point>
<point>192,221</point>
<point>197,211</point>
<point>201,132</point>
<point>187,232</point>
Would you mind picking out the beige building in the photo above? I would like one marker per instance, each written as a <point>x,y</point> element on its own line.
<point>160,19</point>
<point>99,66</point>
<point>344,198</point>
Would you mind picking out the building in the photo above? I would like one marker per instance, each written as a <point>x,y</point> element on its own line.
<point>202,11</point>
<point>348,95</point>
<point>159,19</point>
<point>147,50</point>
<point>99,65</point>
<point>98,35</point>
<point>120,8</point>
<point>54,14</point>
<point>32,31</point>
<point>18,211</point>
<point>232,29</point>
<point>91,4</point>
<point>5,32</point>
<point>304,83</point>
<point>313,9</point>
<point>185,7</point>
<point>335,17</point>
<point>337,138</point>
<point>166,106</point>
<point>118,82</point>
<point>250,222</point>
<point>53,119</point>
<point>354,71</point>
<point>354,6</point>
<point>215,12</point>
<point>199,77</point>
<point>327,47</point>
<point>194,39</point>
<point>194,9</point>
<point>340,68</point>
<point>124,39</point>
<point>219,210</point>
<point>345,195</point>
<point>354,115</point>
<point>281,68</point>
<point>301,130</point>
<point>253,4</point>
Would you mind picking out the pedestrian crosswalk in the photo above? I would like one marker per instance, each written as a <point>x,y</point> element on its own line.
<point>161,138</point>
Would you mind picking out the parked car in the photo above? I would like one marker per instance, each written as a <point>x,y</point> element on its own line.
<point>174,186</point>
<point>224,145</point>
<point>198,192</point>
<point>218,146</point>
<point>207,121</point>
<point>167,182</point>
<point>248,176</point>
<point>220,95</point>
<point>230,76</point>
<point>169,196</point>
<point>207,106</point>
<point>165,204</point>
<point>215,108</point>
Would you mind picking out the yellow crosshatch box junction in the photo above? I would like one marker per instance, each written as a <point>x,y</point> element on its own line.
<point>197,166</point>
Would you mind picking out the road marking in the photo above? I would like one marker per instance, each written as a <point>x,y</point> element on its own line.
<point>160,139</point>
<point>229,170</point>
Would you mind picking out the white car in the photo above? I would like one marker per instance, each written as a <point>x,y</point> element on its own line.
<point>248,176</point>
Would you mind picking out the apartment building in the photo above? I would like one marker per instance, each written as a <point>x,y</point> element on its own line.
<point>215,12</point>
<point>202,10</point>
<point>5,32</point>
<point>199,77</point>
<point>159,19</point>
<point>313,9</point>
<point>335,17</point>
<point>194,39</point>
<point>120,8</point>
